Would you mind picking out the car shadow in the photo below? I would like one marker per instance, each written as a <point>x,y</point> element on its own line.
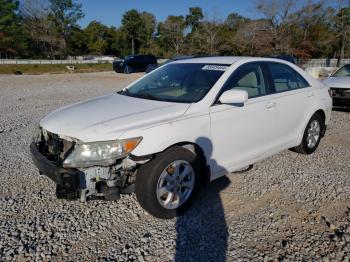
<point>202,233</point>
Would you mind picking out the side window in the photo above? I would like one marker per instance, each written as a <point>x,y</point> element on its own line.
<point>285,78</point>
<point>248,77</point>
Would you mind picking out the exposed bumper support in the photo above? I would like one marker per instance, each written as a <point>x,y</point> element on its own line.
<point>48,168</point>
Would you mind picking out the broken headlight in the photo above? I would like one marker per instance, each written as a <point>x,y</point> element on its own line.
<point>100,153</point>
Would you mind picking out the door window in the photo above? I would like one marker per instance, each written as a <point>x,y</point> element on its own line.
<point>248,77</point>
<point>285,78</point>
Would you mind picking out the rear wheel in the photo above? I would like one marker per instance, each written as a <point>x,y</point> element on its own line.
<point>312,135</point>
<point>166,186</point>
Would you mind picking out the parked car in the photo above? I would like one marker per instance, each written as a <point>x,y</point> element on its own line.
<point>134,63</point>
<point>339,83</point>
<point>190,121</point>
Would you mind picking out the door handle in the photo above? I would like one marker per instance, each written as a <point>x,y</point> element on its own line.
<point>270,105</point>
<point>311,94</point>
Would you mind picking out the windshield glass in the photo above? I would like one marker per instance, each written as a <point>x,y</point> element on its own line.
<point>344,71</point>
<point>183,83</point>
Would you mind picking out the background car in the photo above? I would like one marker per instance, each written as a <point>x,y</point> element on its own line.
<point>339,83</point>
<point>134,63</point>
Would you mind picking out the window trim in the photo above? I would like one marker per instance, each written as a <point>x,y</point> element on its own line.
<point>272,83</point>
<point>265,74</point>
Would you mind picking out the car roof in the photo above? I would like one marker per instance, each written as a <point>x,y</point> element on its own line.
<point>228,60</point>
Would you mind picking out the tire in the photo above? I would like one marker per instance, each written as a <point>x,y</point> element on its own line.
<point>305,147</point>
<point>127,70</point>
<point>150,177</point>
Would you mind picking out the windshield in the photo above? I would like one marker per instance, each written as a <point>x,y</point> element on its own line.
<point>344,71</point>
<point>183,83</point>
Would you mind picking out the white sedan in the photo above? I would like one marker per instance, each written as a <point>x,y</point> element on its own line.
<point>187,122</point>
<point>339,83</point>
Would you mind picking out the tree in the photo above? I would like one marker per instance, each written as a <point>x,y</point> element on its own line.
<point>131,23</point>
<point>311,30</point>
<point>65,14</point>
<point>10,31</point>
<point>253,39</point>
<point>147,30</point>
<point>96,35</point>
<point>194,17</point>
<point>38,26</point>
<point>276,13</point>
<point>233,20</point>
<point>173,32</point>
<point>209,31</point>
<point>342,28</point>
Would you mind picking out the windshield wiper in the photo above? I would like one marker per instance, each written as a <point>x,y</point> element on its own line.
<point>141,94</point>
<point>125,91</point>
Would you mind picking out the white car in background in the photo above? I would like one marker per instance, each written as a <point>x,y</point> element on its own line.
<point>339,83</point>
<point>187,122</point>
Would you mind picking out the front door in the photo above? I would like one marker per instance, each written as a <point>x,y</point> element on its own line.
<point>241,134</point>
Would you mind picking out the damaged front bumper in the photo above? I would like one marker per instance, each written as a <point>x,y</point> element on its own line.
<point>100,182</point>
<point>67,180</point>
<point>341,98</point>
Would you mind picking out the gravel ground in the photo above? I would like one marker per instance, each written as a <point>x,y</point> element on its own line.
<point>288,207</point>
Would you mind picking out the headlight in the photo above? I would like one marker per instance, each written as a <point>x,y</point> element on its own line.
<point>100,153</point>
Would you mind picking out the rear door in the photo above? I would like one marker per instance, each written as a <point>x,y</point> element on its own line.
<point>294,100</point>
<point>242,134</point>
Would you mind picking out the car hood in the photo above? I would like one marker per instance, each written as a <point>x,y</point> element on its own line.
<point>337,82</point>
<point>108,117</point>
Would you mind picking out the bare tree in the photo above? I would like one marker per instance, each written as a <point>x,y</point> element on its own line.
<point>253,37</point>
<point>210,33</point>
<point>276,13</point>
<point>174,27</point>
<point>342,25</point>
<point>39,26</point>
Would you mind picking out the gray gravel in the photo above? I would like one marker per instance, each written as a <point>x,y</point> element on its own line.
<point>288,207</point>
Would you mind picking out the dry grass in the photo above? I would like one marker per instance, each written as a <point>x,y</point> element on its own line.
<point>53,69</point>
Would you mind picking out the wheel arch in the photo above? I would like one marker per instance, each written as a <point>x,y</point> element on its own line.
<point>203,158</point>
<point>322,113</point>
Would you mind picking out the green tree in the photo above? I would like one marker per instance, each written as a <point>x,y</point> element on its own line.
<point>146,31</point>
<point>11,35</point>
<point>173,32</point>
<point>194,17</point>
<point>132,23</point>
<point>233,20</point>
<point>65,14</point>
<point>96,35</point>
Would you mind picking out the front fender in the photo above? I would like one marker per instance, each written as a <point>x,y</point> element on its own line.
<point>158,138</point>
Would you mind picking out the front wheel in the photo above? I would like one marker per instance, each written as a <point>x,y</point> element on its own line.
<point>312,135</point>
<point>166,186</point>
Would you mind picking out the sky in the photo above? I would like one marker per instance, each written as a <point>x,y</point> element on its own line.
<point>110,12</point>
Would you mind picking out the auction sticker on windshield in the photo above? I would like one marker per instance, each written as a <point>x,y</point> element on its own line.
<point>215,67</point>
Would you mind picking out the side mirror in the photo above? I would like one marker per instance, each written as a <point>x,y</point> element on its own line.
<point>234,96</point>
